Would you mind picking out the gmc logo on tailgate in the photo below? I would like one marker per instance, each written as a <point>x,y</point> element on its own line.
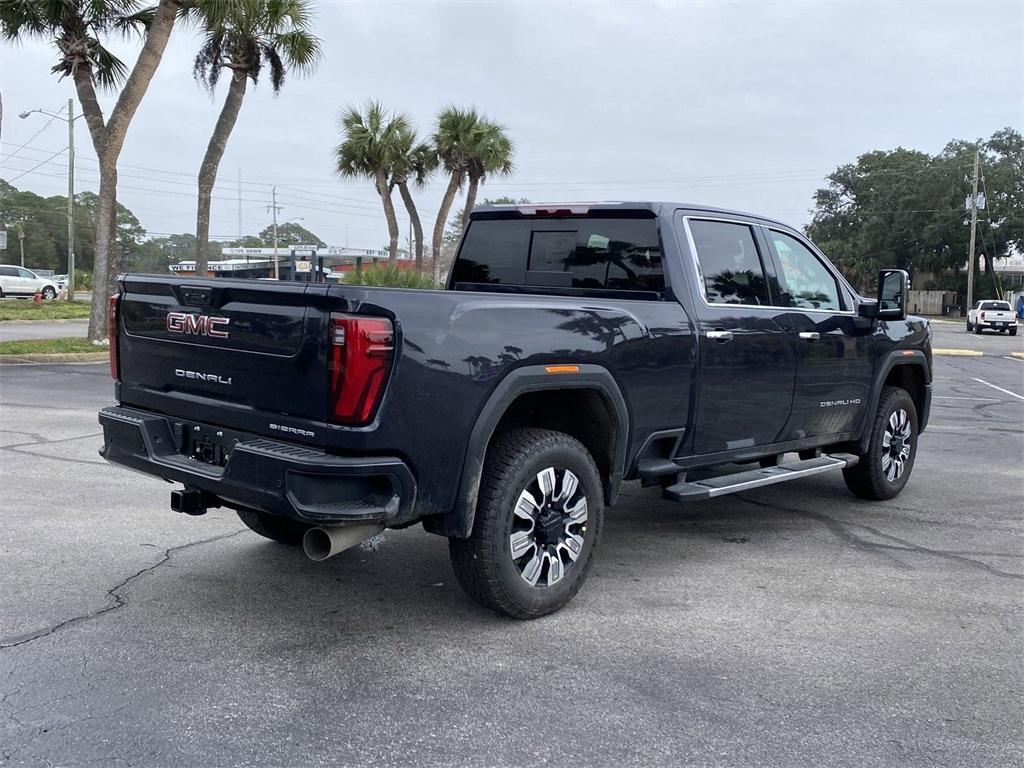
<point>197,325</point>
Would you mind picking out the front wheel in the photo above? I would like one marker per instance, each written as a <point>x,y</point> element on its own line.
<point>538,519</point>
<point>49,293</point>
<point>882,472</point>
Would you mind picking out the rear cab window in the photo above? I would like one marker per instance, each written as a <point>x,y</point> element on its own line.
<point>995,306</point>
<point>606,252</point>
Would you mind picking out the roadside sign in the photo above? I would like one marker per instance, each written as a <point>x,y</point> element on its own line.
<point>303,266</point>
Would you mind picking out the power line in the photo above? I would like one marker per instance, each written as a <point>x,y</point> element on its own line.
<point>34,135</point>
<point>59,152</point>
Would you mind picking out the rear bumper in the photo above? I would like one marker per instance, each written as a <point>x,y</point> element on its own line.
<point>267,475</point>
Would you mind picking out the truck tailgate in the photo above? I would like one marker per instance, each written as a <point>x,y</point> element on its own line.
<point>241,354</point>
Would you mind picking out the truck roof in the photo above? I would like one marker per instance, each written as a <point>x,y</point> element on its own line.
<point>583,207</point>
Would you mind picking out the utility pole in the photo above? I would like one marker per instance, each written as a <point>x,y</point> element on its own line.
<point>71,186</point>
<point>239,203</point>
<point>974,227</point>
<point>71,200</point>
<point>273,206</point>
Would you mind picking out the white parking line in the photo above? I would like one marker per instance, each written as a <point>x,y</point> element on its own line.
<point>1004,391</point>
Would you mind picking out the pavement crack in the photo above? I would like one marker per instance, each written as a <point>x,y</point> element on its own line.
<point>40,440</point>
<point>841,531</point>
<point>114,597</point>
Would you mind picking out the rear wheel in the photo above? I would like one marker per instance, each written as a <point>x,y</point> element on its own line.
<point>969,329</point>
<point>279,529</point>
<point>882,472</point>
<point>1013,331</point>
<point>977,329</point>
<point>538,519</point>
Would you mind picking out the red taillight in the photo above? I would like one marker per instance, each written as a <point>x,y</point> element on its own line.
<point>112,336</point>
<point>983,315</point>
<point>361,352</point>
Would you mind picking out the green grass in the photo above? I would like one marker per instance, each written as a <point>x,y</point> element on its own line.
<point>389,277</point>
<point>26,309</point>
<point>48,346</point>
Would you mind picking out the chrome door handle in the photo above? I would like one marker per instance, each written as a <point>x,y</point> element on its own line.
<point>810,335</point>
<point>719,335</point>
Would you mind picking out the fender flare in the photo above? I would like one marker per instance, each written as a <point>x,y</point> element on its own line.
<point>519,381</point>
<point>896,357</point>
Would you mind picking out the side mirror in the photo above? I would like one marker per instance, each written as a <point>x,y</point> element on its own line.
<point>893,287</point>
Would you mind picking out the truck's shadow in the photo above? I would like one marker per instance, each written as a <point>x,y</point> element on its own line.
<point>407,579</point>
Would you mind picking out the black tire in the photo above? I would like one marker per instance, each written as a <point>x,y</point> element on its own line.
<point>484,563</point>
<point>1013,331</point>
<point>869,478</point>
<point>279,529</point>
<point>978,329</point>
<point>48,293</point>
<point>969,329</point>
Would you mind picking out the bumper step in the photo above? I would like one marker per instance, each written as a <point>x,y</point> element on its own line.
<point>722,485</point>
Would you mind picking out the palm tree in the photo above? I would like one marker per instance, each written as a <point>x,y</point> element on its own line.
<point>372,145</point>
<point>491,154</point>
<point>416,160</point>
<point>457,132</point>
<point>77,28</point>
<point>244,36</point>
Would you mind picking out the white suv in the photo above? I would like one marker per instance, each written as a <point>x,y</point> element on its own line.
<point>18,281</point>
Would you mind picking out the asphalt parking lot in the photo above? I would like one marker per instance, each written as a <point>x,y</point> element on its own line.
<point>790,626</point>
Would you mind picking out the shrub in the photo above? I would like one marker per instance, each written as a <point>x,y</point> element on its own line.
<point>389,277</point>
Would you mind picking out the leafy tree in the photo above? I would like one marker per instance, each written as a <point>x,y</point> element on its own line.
<point>455,137</point>
<point>288,234</point>
<point>371,146</point>
<point>78,28</point>
<point>415,161</point>
<point>44,222</point>
<point>491,154</point>
<point>905,209</point>
<point>244,36</point>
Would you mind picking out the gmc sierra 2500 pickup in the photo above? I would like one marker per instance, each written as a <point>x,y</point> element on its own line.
<point>575,347</point>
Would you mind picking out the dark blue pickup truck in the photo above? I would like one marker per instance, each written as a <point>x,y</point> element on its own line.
<point>575,347</point>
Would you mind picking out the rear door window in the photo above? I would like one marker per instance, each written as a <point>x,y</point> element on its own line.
<point>589,253</point>
<point>729,263</point>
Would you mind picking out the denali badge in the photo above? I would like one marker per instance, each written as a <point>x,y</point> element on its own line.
<point>198,325</point>
<point>213,378</point>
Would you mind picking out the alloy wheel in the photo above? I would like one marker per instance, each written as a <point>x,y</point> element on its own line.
<point>896,445</point>
<point>549,527</point>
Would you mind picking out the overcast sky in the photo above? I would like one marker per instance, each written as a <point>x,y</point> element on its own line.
<point>743,105</point>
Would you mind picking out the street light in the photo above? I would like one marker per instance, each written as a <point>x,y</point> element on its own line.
<point>70,119</point>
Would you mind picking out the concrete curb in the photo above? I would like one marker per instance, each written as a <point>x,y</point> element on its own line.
<point>34,321</point>
<point>60,357</point>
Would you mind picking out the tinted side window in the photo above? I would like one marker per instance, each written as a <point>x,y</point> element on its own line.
<point>729,263</point>
<point>808,281</point>
<point>599,253</point>
<point>8,272</point>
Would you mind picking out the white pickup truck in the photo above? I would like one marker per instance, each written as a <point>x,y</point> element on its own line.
<point>997,315</point>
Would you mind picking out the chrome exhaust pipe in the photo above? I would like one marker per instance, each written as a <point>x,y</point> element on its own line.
<point>322,543</point>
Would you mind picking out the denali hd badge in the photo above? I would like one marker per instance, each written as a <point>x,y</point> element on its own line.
<point>198,325</point>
